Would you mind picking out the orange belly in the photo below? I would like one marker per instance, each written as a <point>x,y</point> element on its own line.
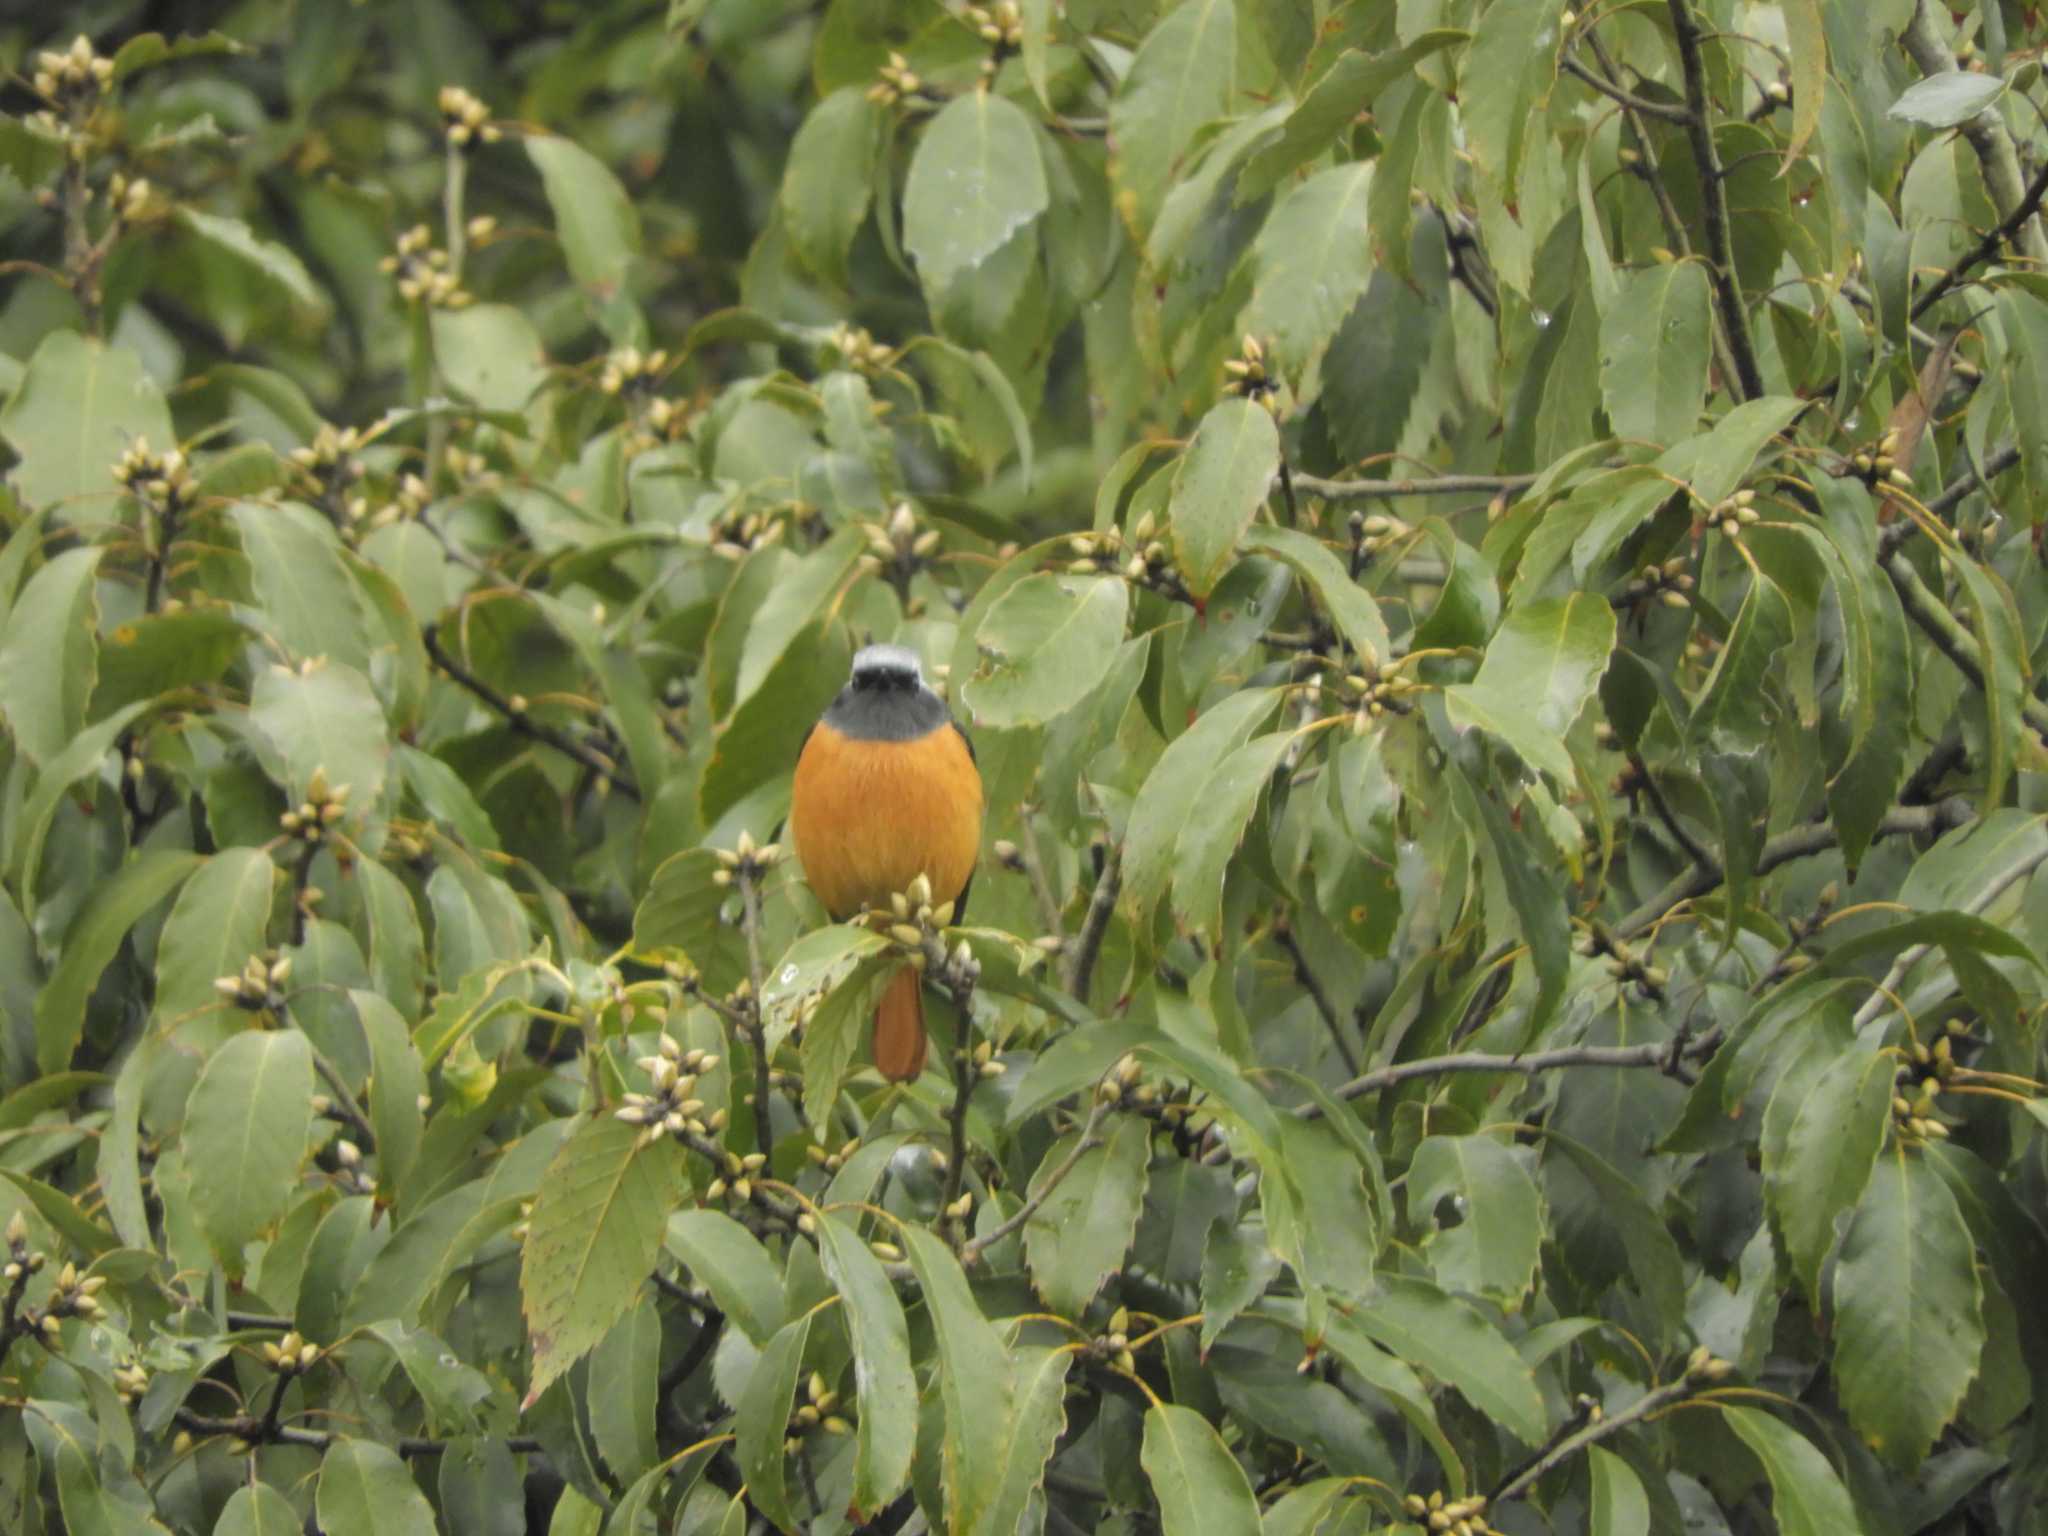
<point>869,817</point>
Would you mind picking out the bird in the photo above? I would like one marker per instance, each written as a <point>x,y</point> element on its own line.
<point>887,790</point>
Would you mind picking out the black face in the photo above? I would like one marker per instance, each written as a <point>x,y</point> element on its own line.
<point>886,699</point>
<point>881,679</point>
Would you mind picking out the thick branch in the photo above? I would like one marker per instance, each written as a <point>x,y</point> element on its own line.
<point>523,723</point>
<point>1949,636</point>
<point>1435,485</point>
<point>1985,249</point>
<point>1081,962</point>
<point>1714,200</point>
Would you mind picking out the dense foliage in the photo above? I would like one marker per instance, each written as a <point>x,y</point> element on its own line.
<point>1494,560</point>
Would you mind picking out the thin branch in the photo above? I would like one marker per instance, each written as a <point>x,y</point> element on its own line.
<point>748,878</point>
<point>1985,249</point>
<point>1091,1138</point>
<point>1714,200</point>
<point>1799,843</point>
<point>248,1427</point>
<point>1949,637</point>
<point>522,722</point>
<point>1436,485</point>
<point>1656,1054</point>
<point>1669,112</point>
<point>344,1104</point>
<point>1693,849</point>
<point>1034,871</point>
<point>1082,957</point>
<point>1888,990</point>
<point>1656,1400</point>
<point>1283,935</point>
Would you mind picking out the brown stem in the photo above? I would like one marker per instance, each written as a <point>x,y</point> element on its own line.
<point>1081,960</point>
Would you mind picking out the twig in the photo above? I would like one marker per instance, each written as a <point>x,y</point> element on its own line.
<point>1436,485</point>
<point>964,1078</point>
<point>1034,871</point>
<point>1090,1139</point>
<point>522,722</point>
<point>1949,637</point>
<point>1668,111</point>
<point>1888,989</point>
<point>344,1104</point>
<point>1656,1400</point>
<point>1081,960</point>
<point>1684,839</point>
<point>1984,249</point>
<point>1799,843</point>
<point>248,1427</point>
<point>1714,200</point>
<point>747,877</point>
<point>1654,1054</point>
<point>1283,935</point>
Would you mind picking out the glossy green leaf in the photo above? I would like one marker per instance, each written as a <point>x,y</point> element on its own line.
<point>1208,841</point>
<point>365,1487</point>
<point>1947,100</point>
<point>729,1261</point>
<point>974,1380</point>
<point>829,179</point>
<point>1830,1147</point>
<point>975,180</point>
<point>1044,646</point>
<point>1078,1237</point>
<point>257,1510</point>
<point>1202,1491</point>
<point>1541,667</point>
<point>594,218</point>
<point>246,1129</point>
<point>49,655</point>
<point>1182,76</point>
<point>1620,1507</point>
<point>91,942</point>
<point>304,594</point>
<point>218,923</point>
<point>80,406</point>
<point>1312,261</point>
<point>1218,488</point>
<point>1654,352</point>
<point>1490,1247</point>
<point>1448,1338</point>
<point>886,1390</point>
<point>1807,1498</point>
<point>763,1422</point>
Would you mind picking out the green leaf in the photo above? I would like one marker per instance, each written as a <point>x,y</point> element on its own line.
<point>1829,1150</point>
<point>628,1362</point>
<point>2023,317</point>
<point>277,266</point>
<point>78,408</point>
<point>1807,41</point>
<point>1493,1247</point>
<point>1947,100</point>
<point>761,1422</point>
<point>1044,646</point>
<point>304,595</point>
<point>91,942</point>
<point>974,1383</point>
<point>975,180</point>
<point>49,656</point>
<point>595,220</point>
<point>1450,1340</point>
<point>1183,75</point>
<point>1807,1498</point>
<point>1079,1236</point>
<point>322,719</point>
<point>1542,665</point>
<point>596,1227</point>
<point>1658,1272</point>
<point>163,652</point>
<point>887,1392</point>
<point>1735,709</point>
<point>490,353</point>
<point>365,1487</point>
<point>1654,352</point>
<point>1202,1491</point>
<point>396,1082</point>
<point>83,758</point>
<point>1219,486</point>
<point>1208,840</point>
<point>682,913</point>
<point>1619,1505</point>
<point>1165,806</point>
<point>257,1509</point>
<point>1909,1310</point>
<point>1312,260</point>
<point>1038,1417</point>
<point>829,179</point>
<point>220,919</point>
<point>730,1262</point>
<point>1514,50</point>
<point>1391,1377</point>
<point>245,1135</point>
<point>1354,611</point>
<point>449,1390</point>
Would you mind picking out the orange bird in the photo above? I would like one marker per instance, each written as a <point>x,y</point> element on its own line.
<point>887,790</point>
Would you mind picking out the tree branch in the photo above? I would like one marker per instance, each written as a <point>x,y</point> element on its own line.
<point>1081,959</point>
<point>523,723</point>
<point>1283,935</point>
<point>1091,1138</point>
<point>1641,105</point>
<point>1654,1054</point>
<point>248,1427</point>
<point>1714,200</point>
<point>1902,967</point>
<point>1436,485</point>
<point>1656,1400</point>
<point>1949,637</point>
<point>2008,227</point>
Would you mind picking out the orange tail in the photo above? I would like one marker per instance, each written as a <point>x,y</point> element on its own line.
<point>899,1028</point>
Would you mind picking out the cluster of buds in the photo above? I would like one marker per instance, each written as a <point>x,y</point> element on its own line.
<point>130,1382</point>
<point>738,532</point>
<point>348,1166</point>
<point>465,465</point>
<point>983,1057</point>
<point>1879,462</point>
<point>323,806</point>
<point>916,914</point>
<point>1667,584</point>
<point>291,1355</point>
<point>1247,373</point>
<point>73,1295</point>
<point>1703,1367</point>
<point>1124,1086</point>
<point>736,1184</point>
<point>1371,534</point>
<point>1377,695</point>
<point>746,862</point>
<point>77,73</point>
<point>858,350</point>
<point>629,371</point>
<point>899,549</point>
<point>133,202</point>
<point>832,1162</point>
<point>816,1412</point>
<point>671,1110</point>
<point>330,459</point>
<point>422,271</point>
<point>894,81</point>
<point>1623,963</point>
<point>1734,513</point>
<point>1001,26</point>
<point>466,119</point>
<point>962,1208</point>
<point>1456,1517</point>
<point>1919,1083</point>
<point>1114,1342</point>
<point>163,480</point>
<point>260,985</point>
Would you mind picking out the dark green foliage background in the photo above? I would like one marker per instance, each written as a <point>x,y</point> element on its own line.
<point>1494,558</point>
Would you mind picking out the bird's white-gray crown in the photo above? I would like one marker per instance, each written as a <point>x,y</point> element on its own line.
<point>892,661</point>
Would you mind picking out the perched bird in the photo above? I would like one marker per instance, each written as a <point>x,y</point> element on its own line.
<point>887,790</point>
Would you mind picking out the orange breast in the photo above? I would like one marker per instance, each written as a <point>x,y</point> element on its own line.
<point>869,817</point>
